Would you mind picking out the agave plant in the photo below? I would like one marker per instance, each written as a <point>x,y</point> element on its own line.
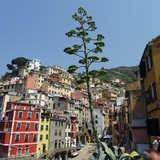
<point>116,153</point>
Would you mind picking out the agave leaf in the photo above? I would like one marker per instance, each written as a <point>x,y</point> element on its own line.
<point>102,155</point>
<point>108,151</point>
<point>121,150</point>
<point>125,156</point>
<point>116,148</point>
<point>134,154</point>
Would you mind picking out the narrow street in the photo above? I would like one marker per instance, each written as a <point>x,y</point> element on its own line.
<point>83,153</point>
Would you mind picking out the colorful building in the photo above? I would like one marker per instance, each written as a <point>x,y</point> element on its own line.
<point>57,148</point>
<point>19,130</point>
<point>150,73</point>
<point>43,137</point>
<point>138,139</point>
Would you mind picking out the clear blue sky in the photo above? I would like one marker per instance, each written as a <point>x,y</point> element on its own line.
<point>36,29</point>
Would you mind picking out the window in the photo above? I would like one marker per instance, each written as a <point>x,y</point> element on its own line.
<point>7,125</point>
<point>29,115</point>
<point>41,137</point>
<point>56,123</point>
<point>1,136</point>
<point>41,127</point>
<point>19,151</point>
<point>56,132</point>
<point>26,137</point>
<point>20,114</point>
<point>60,133</point>
<point>27,150</point>
<point>42,118</point>
<point>37,115</point>
<point>36,126</point>
<point>27,125</point>
<point>47,119</point>
<point>151,95</point>
<point>60,123</point>
<point>17,137</point>
<point>55,146</point>
<point>46,136</point>
<point>149,60</point>
<point>35,137</point>
<point>46,127</point>
<point>59,143</point>
<point>153,92</point>
<point>18,125</point>
<point>44,148</point>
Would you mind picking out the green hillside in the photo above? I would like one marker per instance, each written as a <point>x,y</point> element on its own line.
<point>127,74</point>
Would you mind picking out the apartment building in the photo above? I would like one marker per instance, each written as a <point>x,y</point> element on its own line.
<point>15,84</point>
<point>100,119</point>
<point>19,130</point>
<point>33,65</point>
<point>57,146</point>
<point>43,137</point>
<point>137,117</point>
<point>150,73</point>
<point>4,99</point>
<point>32,80</point>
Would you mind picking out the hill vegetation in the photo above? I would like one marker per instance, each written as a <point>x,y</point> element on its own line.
<point>126,74</point>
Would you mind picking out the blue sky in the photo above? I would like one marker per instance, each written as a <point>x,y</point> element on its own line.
<point>36,29</point>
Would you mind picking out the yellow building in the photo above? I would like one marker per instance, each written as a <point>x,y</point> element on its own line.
<point>150,72</point>
<point>109,94</point>
<point>43,137</point>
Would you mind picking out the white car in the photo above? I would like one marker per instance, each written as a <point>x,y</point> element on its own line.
<point>74,154</point>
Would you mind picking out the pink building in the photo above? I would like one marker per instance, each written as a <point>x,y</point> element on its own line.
<point>32,81</point>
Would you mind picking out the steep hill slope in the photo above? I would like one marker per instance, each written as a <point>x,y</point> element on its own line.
<point>127,74</point>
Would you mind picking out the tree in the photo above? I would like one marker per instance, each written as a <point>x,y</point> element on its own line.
<point>16,64</point>
<point>87,52</point>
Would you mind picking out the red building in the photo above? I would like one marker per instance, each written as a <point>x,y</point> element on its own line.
<point>19,130</point>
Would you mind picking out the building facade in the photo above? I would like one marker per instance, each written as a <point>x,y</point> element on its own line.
<point>19,130</point>
<point>150,73</point>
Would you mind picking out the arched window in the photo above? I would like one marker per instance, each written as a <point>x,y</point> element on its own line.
<point>26,150</point>
<point>19,151</point>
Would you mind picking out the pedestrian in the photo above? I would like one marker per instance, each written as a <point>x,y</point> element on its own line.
<point>156,142</point>
<point>151,155</point>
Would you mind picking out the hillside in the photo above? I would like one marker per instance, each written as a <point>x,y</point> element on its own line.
<point>127,74</point>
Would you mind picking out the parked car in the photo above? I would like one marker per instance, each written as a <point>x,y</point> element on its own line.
<point>74,154</point>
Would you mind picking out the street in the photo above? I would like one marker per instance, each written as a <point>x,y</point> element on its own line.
<point>83,153</point>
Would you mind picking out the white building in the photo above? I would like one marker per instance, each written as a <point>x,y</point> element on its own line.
<point>100,120</point>
<point>33,65</point>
